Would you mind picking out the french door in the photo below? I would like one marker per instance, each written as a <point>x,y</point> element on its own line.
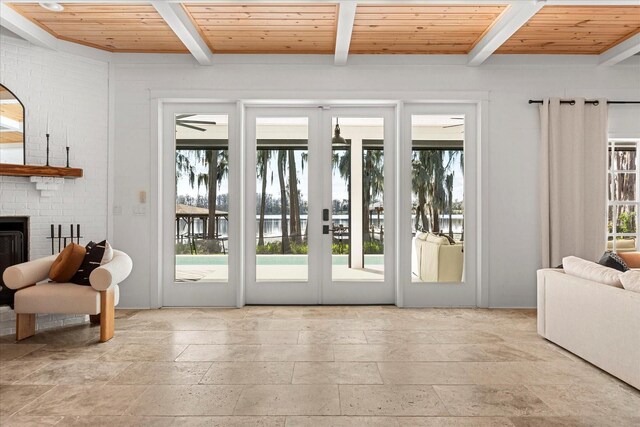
<point>200,205</point>
<point>438,158</point>
<point>320,183</point>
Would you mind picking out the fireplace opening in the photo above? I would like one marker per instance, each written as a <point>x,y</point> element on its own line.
<point>14,249</point>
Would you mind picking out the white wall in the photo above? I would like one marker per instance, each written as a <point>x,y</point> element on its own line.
<point>513,133</point>
<point>74,92</point>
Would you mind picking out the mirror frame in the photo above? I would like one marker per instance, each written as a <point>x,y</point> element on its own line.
<point>24,125</point>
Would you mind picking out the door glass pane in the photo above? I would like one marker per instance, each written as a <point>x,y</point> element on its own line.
<point>202,198</point>
<point>437,190</point>
<point>357,199</point>
<point>282,199</point>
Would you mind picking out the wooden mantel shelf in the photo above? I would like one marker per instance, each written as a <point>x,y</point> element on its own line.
<point>31,170</point>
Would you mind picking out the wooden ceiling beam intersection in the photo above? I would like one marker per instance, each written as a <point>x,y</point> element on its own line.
<point>346,17</point>
<point>177,19</point>
<point>510,21</point>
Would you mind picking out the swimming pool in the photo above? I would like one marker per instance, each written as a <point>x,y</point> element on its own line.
<point>271,259</point>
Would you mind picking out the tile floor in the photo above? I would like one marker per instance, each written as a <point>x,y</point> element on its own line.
<point>307,366</point>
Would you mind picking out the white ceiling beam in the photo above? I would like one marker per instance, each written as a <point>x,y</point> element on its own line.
<point>621,51</point>
<point>346,17</point>
<point>13,21</point>
<point>177,19</point>
<point>510,21</point>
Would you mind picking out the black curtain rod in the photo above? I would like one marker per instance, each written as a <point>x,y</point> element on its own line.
<point>594,102</point>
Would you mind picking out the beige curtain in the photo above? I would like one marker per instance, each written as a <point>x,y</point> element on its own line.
<point>573,180</point>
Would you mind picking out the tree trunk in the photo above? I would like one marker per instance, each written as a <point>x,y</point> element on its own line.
<point>263,200</point>
<point>282,163</point>
<point>450,215</point>
<point>422,200</point>
<point>294,210</point>
<point>212,196</point>
<point>436,220</point>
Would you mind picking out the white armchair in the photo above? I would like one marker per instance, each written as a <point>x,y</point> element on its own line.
<point>98,300</point>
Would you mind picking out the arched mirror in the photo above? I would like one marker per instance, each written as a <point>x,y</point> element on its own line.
<point>11,128</point>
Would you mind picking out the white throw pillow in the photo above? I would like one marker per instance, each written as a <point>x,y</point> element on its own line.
<point>631,280</point>
<point>584,269</point>
<point>108,253</point>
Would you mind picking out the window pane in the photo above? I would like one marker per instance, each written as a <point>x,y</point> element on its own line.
<point>202,198</point>
<point>624,156</point>
<point>437,191</point>
<point>357,199</point>
<point>282,201</point>
<point>627,219</point>
<point>622,187</point>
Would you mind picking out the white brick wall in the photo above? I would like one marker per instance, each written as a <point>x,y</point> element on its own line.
<point>74,92</point>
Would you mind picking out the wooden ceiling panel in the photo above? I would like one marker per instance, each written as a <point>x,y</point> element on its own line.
<point>266,28</point>
<point>574,30</point>
<point>415,29</point>
<point>111,27</point>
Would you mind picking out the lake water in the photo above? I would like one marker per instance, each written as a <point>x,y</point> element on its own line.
<point>273,228</point>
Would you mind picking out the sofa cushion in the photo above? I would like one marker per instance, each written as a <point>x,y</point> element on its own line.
<point>440,240</point>
<point>611,260</point>
<point>631,280</point>
<point>97,254</point>
<point>67,263</point>
<point>63,298</point>
<point>632,259</point>
<point>584,269</point>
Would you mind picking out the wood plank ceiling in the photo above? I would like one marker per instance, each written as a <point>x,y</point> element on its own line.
<point>266,28</point>
<point>311,27</point>
<point>111,27</point>
<point>414,29</point>
<point>574,30</point>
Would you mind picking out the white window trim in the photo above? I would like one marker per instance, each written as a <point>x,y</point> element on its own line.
<point>614,234</point>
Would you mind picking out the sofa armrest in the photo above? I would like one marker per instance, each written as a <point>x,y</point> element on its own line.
<point>111,273</point>
<point>28,273</point>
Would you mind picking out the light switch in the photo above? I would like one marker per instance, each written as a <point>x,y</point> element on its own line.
<point>142,196</point>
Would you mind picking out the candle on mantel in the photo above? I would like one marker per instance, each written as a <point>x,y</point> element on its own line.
<point>48,128</point>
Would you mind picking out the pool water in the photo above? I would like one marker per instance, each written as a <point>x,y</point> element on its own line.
<point>271,259</point>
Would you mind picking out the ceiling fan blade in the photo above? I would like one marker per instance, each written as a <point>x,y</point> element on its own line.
<point>190,127</point>
<point>452,126</point>
<point>200,122</point>
<point>184,116</point>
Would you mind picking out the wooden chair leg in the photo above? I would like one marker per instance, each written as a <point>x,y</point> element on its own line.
<point>107,314</point>
<point>94,319</point>
<point>25,325</point>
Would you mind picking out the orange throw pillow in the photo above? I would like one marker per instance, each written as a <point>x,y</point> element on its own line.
<point>67,263</point>
<point>632,259</point>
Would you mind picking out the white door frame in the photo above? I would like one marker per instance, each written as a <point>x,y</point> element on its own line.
<point>282,292</point>
<point>420,294</point>
<point>361,292</point>
<point>161,98</point>
<point>198,293</point>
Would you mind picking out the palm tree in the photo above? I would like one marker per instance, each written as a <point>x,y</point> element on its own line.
<point>217,162</point>
<point>419,179</point>
<point>263,165</point>
<point>294,199</point>
<point>282,164</point>
<point>372,185</point>
<point>448,182</point>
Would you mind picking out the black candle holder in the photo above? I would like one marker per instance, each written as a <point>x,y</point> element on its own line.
<point>67,156</point>
<point>48,149</point>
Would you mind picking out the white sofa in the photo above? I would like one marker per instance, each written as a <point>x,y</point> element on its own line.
<point>597,322</point>
<point>435,260</point>
<point>98,300</point>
